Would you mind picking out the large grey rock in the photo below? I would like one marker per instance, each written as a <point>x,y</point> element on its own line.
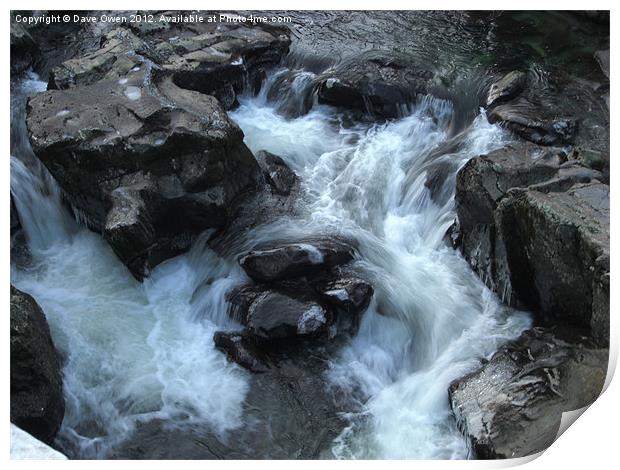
<point>557,251</point>
<point>511,407</point>
<point>536,230</point>
<point>219,60</point>
<point>37,402</point>
<point>374,83</point>
<point>295,260</point>
<point>148,164</point>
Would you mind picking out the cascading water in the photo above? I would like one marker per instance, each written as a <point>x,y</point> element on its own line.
<point>431,318</point>
<point>132,352</point>
<point>138,352</point>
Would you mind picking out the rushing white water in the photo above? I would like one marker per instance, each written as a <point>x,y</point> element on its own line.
<point>431,319</point>
<point>135,352</point>
<point>132,352</point>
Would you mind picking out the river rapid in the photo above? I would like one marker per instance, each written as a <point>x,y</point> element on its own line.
<point>136,352</point>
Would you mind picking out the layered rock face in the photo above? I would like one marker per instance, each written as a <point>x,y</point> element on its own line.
<point>219,60</point>
<point>136,138</point>
<point>536,229</point>
<point>37,402</point>
<point>533,222</point>
<point>512,406</point>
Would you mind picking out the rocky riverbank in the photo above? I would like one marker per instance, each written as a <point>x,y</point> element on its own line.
<point>134,128</point>
<point>533,222</point>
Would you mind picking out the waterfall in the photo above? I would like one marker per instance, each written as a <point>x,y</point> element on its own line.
<point>136,352</point>
<point>131,352</point>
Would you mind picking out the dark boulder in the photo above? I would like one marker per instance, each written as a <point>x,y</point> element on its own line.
<point>535,228</point>
<point>373,83</point>
<point>278,314</point>
<point>277,173</point>
<point>507,88</point>
<point>531,123</point>
<point>296,259</point>
<point>37,401</point>
<point>557,252</point>
<point>148,164</point>
<point>511,407</point>
<point>349,298</point>
<point>24,48</point>
<point>241,349</point>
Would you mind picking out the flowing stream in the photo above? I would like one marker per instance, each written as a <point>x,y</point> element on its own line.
<point>137,352</point>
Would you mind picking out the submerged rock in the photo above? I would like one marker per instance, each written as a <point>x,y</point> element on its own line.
<point>373,83</point>
<point>295,260</point>
<point>240,349</point>
<point>289,413</point>
<point>511,407</point>
<point>507,88</point>
<point>37,401</point>
<point>150,166</point>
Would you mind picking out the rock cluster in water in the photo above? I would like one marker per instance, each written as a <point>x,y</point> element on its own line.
<point>137,135</point>
<point>300,294</point>
<point>533,222</point>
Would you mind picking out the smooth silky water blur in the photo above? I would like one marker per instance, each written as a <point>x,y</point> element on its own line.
<point>136,352</point>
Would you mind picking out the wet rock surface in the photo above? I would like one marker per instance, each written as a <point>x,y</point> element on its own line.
<point>512,406</point>
<point>215,59</point>
<point>136,133</point>
<point>241,349</point>
<point>529,122</point>
<point>557,249</point>
<point>279,176</point>
<point>279,314</point>
<point>508,87</point>
<point>374,83</point>
<point>289,413</point>
<point>150,167</point>
<point>296,259</point>
<point>313,302</point>
<point>37,401</point>
<point>535,227</point>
